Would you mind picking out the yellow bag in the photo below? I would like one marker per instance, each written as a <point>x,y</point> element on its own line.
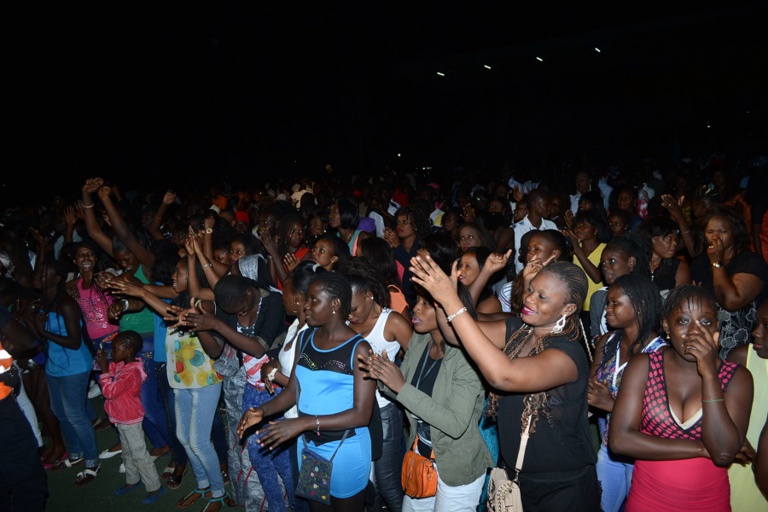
<point>419,476</point>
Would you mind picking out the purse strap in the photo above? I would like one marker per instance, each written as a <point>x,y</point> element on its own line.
<point>521,452</point>
<point>346,433</point>
<point>416,449</point>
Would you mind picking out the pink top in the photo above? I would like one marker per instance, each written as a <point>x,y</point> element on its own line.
<point>121,387</point>
<point>94,303</point>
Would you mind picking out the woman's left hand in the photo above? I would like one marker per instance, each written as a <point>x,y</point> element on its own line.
<point>277,432</point>
<point>379,367</point>
<point>428,274</point>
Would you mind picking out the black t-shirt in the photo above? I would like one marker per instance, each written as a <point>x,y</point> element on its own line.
<point>562,441</point>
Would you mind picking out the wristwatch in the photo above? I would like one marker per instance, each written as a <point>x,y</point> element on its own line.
<point>717,264</point>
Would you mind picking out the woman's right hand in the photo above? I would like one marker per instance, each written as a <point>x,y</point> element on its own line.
<point>251,417</point>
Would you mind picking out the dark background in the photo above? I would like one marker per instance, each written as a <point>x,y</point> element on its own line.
<point>220,91</point>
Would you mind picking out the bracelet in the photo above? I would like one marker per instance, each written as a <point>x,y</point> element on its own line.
<point>126,305</point>
<point>317,423</point>
<point>272,373</point>
<point>459,312</point>
<point>87,205</point>
<point>685,232</point>
<point>209,264</point>
<point>712,401</point>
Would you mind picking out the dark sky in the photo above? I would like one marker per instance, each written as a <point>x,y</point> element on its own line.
<point>219,90</point>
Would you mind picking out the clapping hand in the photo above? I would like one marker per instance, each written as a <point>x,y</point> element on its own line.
<point>379,367</point>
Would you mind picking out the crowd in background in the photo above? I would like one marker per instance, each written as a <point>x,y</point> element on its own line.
<point>369,315</point>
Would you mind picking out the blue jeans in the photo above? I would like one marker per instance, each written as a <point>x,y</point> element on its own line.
<point>387,468</point>
<point>195,410</point>
<point>69,402</point>
<point>269,463</point>
<point>615,475</point>
<point>178,455</point>
<point>155,420</point>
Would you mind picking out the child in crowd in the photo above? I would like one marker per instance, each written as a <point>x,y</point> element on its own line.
<point>121,382</point>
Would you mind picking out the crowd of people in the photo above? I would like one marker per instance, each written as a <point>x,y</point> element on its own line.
<point>615,321</point>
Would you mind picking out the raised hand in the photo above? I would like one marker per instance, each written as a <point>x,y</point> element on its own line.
<point>427,273</point>
<point>169,198</point>
<point>71,215</point>
<point>92,185</point>
<point>497,261</point>
<point>290,261</point>
<point>675,207</point>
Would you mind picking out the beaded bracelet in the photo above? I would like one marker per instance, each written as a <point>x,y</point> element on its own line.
<point>317,423</point>
<point>459,312</point>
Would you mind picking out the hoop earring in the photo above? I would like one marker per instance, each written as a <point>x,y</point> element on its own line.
<point>558,328</point>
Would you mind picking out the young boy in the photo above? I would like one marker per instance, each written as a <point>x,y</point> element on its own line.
<point>121,382</point>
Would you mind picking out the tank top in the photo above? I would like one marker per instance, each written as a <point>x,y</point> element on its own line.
<point>94,303</point>
<point>378,343</point>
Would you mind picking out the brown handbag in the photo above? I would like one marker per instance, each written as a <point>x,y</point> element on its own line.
<point>419,476</point>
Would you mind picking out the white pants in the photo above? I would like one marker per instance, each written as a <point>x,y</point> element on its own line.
<point>29,411</point>
<point>461,498</point>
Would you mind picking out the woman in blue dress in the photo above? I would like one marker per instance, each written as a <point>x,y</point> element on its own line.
<point>332,394</point>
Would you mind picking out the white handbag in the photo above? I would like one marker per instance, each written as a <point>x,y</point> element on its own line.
<point>503,493</point>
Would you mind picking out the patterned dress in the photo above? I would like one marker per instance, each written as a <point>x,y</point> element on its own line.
<point>676,485</point>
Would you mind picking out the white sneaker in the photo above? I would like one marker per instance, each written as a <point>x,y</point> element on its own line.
<point>94,390</point>
<point>121,469</point>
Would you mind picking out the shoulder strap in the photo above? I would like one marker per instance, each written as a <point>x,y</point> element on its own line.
<point>523,443</point>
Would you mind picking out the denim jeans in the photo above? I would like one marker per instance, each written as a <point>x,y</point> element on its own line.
<point>178,454</point>
<point>269,463</point>
<point>69,399</point>
<point>387,468</point>
<point>615,474</point>
<point>155,421</point>
<point>195,410</point>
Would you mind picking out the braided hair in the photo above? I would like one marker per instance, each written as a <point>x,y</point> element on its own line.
<point>646,301</point>
<point>337,286</point>
<point>574,280</point>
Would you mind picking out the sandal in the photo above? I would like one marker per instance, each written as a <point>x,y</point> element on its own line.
<point>216,504</point>
<point>193,496</point>
<point>86,476</point>
<point>174,481</point>
<point>168,471</point>
<point>56,463</point>
<point>67,463</point>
